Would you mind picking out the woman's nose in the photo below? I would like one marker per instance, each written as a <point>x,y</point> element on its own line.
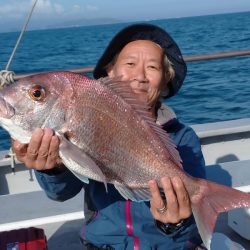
<point>140,74</point>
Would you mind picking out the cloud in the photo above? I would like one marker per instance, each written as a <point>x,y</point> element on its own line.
<point>91,7</point>
<point>47,13</point>
<point>58,8</point>
<point>16,9</point>
<point>82,9</point>
<point>47,7</point>
<point>13,9</point>
<point>76,7</point>
<point>44,7</point>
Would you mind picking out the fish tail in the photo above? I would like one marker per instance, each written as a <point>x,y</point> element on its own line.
<point>213,199</point>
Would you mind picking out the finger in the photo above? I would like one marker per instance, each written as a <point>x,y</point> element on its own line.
<point>53,156</point>
<point>182,197</point>
<point>19,149</point>
<point>172,202</point>
<point>43,150</point>
<point>156,201</point>
<point>33,147</point>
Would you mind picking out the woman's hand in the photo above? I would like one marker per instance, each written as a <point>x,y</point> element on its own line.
<point>177,207</point>
<point>42,152</point>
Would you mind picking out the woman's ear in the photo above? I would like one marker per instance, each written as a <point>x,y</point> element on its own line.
<point>165,80</point>
<point>164,85</point>
<point>110,70</point>
<point>167,77</point>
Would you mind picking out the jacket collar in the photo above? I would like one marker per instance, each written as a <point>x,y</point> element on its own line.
<point>165,114</point>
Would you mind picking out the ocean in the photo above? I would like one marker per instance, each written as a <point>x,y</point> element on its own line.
<point>214,90</point>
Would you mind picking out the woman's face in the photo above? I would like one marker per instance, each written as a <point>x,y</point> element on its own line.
<point>141,62</point>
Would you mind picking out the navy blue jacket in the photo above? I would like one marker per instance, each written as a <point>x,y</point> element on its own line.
<point>125,224</point>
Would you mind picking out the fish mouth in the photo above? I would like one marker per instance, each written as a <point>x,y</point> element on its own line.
<point>6,110</point>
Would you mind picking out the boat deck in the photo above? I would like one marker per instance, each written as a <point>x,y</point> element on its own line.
<point>62,221</point>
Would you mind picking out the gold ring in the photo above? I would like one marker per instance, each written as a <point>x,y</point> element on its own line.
<point>161,210</point>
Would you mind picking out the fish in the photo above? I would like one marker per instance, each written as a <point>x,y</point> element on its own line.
<point>108,135</point>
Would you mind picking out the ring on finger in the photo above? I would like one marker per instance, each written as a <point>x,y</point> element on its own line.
<point>161,210</point>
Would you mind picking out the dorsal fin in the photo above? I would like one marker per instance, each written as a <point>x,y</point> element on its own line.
<point>123,89</point>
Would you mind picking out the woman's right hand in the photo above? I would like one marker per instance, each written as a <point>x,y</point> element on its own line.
<point>42,152</point>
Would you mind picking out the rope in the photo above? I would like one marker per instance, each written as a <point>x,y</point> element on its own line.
<point>6,77</point>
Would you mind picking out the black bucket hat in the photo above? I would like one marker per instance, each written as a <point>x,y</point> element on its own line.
<point>145,32</point>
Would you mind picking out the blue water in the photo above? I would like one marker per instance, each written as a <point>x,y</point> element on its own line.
<point>214,90</point>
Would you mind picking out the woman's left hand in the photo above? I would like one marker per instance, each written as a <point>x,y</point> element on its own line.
<point>177,207</point>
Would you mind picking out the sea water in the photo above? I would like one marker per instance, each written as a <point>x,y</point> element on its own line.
<point>214,90</point>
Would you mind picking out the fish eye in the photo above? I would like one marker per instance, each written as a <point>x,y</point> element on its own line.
<point>37,93</point>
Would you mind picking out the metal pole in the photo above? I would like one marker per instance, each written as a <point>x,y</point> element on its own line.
<point>12,161</point>
<point>216,55</point>
<point>192,58</point>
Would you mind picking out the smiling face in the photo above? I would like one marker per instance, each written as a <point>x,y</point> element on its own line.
<point>142,63</point>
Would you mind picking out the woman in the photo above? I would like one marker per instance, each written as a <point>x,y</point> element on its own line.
<point>147,57</point>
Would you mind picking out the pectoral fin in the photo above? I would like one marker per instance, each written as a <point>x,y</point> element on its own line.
<point>79,163</point>
<point>140,194</point>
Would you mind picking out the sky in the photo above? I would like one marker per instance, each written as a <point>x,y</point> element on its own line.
<point>52,12</point>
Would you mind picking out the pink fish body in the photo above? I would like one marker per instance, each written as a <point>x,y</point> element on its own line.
<point>108,135</point>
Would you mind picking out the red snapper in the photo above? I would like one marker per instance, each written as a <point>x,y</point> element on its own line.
<point>108,135</point>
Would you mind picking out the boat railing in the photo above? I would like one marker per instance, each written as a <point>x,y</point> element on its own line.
<point>7,158</point>
<point>192,58</point>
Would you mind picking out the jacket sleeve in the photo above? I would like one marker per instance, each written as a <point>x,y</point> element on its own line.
<point>188,145</point>
<point>59,187</point>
